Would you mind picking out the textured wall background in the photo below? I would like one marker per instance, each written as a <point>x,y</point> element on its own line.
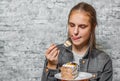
<point>28,27</point>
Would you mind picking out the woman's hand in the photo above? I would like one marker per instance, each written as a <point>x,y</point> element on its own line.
<point>52,56</point>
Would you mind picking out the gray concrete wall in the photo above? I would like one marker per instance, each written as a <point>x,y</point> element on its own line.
<point>28,27</point>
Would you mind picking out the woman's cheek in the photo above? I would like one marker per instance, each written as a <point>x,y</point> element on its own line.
<point>70,32</point>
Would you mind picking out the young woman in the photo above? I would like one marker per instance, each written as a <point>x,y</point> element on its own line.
<point>81,48</point>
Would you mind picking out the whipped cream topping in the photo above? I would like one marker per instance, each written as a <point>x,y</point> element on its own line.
<point>70,64</point>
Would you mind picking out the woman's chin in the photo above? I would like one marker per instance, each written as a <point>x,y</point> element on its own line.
<point>76,43</point>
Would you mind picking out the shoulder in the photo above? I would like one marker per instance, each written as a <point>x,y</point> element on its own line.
<point>102,58</point>
<point>100,54</point>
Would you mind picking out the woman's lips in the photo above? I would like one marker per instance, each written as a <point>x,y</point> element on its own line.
<point>76,38</point>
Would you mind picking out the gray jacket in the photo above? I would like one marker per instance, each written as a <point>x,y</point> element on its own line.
<point>96,62</point>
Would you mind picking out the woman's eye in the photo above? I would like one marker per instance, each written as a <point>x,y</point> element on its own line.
<point>83,26</point>
<point>72,25</point>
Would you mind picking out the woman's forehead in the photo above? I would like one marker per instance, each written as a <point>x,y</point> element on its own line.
<point>80,11</point>
<point>79,17</point>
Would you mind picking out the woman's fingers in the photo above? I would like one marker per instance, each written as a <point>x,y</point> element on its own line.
<point>50,48</point>
<point>52,54</point>
<point>56,56</point>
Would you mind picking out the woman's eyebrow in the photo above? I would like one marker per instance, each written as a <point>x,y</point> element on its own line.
<point>83,24</point>
<point>78,24</point>
<point>70,22</point>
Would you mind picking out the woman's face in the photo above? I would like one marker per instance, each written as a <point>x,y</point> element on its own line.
<point>79,28</point>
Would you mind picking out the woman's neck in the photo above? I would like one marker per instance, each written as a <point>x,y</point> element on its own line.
<point>80,49</point>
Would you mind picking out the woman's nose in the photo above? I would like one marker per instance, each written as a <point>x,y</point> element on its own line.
<point>76,31</point>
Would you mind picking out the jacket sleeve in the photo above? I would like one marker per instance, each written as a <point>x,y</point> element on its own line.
<point>48,74</point>
<point>107,72</point>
